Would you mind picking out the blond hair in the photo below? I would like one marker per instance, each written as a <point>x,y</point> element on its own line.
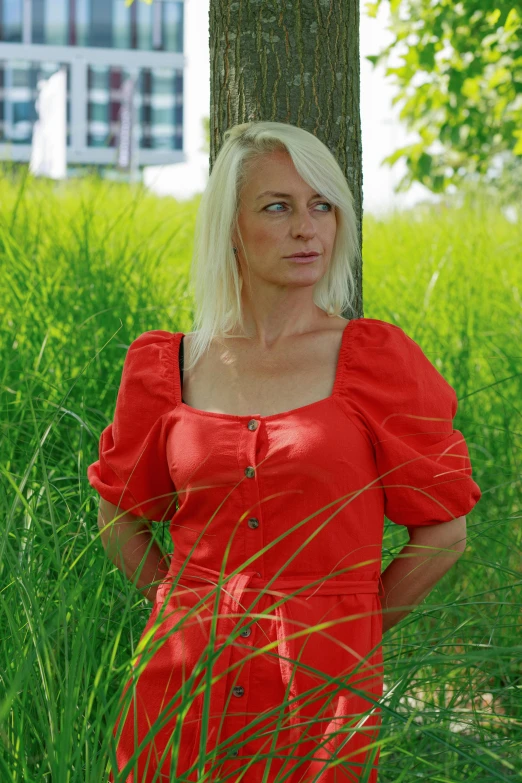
<point>215,279</point>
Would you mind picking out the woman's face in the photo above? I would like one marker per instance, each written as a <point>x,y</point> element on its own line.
<point>274,227</point>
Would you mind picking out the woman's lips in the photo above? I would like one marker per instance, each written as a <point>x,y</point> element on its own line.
<point>302,259</point>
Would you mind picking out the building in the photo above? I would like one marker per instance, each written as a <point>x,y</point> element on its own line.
<point>100,43</point>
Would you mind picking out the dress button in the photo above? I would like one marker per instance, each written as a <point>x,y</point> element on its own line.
<point>253,424</point>
<point>250,472</point>
<point>234,752</point>
<point>253,523</point>
<point>246,632</point>
<point>238,690</point>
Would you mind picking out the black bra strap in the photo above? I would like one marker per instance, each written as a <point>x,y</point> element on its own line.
<point>181,359</point>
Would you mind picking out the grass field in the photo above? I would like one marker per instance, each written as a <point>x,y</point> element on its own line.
<point>87,266</point>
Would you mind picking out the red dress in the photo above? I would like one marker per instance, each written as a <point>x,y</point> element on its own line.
<point>310,486</point>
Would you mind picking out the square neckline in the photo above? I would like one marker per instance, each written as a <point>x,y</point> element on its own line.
<point>258,416</point>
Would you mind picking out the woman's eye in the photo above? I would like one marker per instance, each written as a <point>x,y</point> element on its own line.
<point>320,203</point>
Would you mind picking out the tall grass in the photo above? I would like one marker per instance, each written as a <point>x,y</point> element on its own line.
<point>88,265</point>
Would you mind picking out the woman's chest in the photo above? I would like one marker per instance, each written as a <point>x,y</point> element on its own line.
<point>240,382</point>
<point>305,458</point>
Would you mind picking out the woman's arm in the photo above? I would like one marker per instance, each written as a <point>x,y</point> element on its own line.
<point>430,553</point>
<point>127,542</point>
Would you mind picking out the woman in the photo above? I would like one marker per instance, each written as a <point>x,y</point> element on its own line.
<point>285,437</point>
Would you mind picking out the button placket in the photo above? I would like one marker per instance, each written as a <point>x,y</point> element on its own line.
<point>238,691</point>
<point>251,545</point>
<point>232,603</point>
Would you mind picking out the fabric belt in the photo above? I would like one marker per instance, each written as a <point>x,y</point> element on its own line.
<point>349,584</point>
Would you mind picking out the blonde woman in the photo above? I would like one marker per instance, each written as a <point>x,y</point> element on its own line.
<point>285,432</point>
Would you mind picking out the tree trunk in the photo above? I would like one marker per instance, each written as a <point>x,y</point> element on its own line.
<point>296,62</point>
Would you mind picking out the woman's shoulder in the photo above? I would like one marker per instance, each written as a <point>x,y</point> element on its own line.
<point>384,360</point>
<point>150,347</point>
<point>151,355</point>
<point>372,339</point>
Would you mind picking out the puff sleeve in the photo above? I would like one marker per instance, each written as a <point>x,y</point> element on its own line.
<point>409,407</point>
<point>132,471</point>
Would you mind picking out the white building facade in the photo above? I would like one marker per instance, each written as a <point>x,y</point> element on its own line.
<point>100,43</point>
